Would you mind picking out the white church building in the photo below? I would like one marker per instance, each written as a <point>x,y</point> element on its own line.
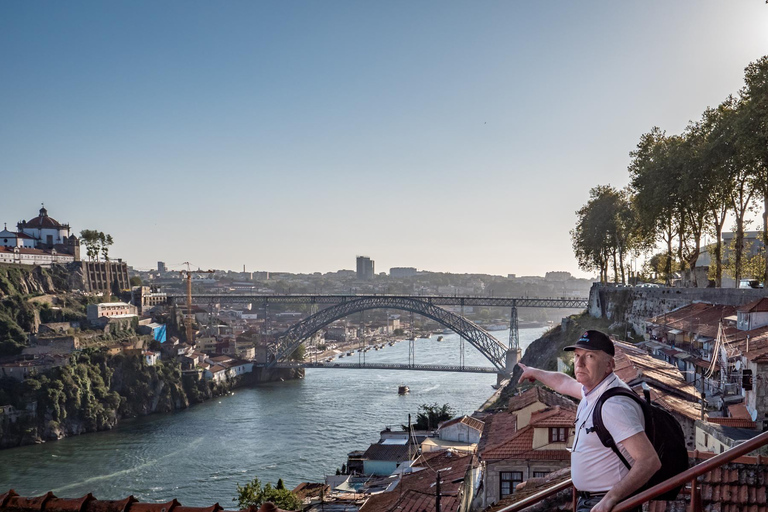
<point>39,241</point>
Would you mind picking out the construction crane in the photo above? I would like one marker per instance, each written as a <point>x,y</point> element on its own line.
<point>188,318</point>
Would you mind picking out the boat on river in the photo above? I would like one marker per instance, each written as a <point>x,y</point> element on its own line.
<point>402,390</point>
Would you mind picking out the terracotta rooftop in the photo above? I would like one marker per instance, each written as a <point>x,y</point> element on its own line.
<point>520,447</point>
<point>553,417</point>
<point>416,491</point>
<point>756,306</point>
<point>12,502</point>
<point>539,394</point>
<point>467,420</point>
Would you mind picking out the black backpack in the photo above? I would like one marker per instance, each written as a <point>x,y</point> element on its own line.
<point>662,429</point>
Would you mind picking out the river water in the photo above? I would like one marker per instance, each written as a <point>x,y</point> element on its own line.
<point>295,430</point>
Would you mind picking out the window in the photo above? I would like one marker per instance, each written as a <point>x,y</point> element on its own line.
<point>509,480</point>
<point>540,474</point>
<point>558,434</point>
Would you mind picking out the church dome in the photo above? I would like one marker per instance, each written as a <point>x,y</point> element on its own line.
<point>42,221</point>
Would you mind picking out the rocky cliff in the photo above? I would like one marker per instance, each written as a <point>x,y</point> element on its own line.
<point>16,280</point>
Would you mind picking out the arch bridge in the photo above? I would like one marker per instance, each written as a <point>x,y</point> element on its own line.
<point>496,352</point>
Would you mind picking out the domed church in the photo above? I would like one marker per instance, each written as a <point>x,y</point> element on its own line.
<point>39,241</point>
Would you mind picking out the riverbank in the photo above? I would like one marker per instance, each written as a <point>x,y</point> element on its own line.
<point>97,391</point>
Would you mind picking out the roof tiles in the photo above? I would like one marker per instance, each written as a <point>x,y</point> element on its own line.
<point>12,502</point>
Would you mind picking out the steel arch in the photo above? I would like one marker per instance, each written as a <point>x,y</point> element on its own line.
<point>483,341</point>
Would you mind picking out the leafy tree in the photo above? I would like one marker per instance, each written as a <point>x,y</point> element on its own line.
<point>714,179</point>
<point>90,238</point>
<point>252,494</point>
<point>430,416</point>
<point>105,241</point>
<point>605,231</point>
<point>652,175</point>
<point>753,133</point>
<point>740,171</point>
<point>135,281</point>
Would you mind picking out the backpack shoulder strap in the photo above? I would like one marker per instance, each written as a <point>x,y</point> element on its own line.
<point>597,419</point>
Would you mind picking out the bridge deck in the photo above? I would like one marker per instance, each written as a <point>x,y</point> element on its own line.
<point>381,366</point>
<point>439,300</point>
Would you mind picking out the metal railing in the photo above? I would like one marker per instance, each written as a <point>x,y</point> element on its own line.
<point>686,477</point>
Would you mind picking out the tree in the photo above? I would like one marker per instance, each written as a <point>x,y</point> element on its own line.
<point>135,281</point>
<point>714,179</point>
<point>753,133</point>
<point>739,170</point>
<point>605,231</point>
<point>252,494</point>
<point>105,241</point>
<point>90,238</point>
<point>430,416</point>
<point>653,178</point>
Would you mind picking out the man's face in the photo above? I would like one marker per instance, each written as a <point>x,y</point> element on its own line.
<point>591,367</point>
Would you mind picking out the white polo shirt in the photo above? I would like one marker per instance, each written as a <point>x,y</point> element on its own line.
<point>595,468</point>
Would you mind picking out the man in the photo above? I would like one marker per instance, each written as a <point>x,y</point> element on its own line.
<point>599,476</point>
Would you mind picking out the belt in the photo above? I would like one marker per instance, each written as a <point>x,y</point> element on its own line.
<point>587,495</point>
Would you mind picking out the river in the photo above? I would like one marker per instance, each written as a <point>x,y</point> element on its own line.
<point>295,430</point>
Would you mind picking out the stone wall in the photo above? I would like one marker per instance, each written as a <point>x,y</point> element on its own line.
<point>632,305</point>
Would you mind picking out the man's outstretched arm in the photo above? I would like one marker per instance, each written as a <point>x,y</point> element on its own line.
<point>560,382</point>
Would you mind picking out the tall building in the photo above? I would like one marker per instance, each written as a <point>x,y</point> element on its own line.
<point>364,268</point>
<point>161,266</point>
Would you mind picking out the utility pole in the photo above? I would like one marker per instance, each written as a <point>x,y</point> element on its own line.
<point>437,492</point>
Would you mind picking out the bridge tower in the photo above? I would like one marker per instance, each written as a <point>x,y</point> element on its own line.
<point>513,352</point>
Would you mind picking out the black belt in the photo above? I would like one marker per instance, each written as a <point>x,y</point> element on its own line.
<point>587,495</point>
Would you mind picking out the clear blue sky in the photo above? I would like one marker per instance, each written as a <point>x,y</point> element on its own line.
<point>295,135</point>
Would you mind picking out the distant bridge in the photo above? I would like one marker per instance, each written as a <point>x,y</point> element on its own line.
<point>387,366</point>
<point>438,300</point>
<point>502,357</point>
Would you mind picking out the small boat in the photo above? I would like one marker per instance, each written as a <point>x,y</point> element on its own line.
<point>439,338</point>
<point>402,390</point>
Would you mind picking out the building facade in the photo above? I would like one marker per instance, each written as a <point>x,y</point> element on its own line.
<point>365,268</point>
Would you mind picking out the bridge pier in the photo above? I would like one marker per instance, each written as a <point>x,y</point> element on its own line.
<point>512,358</point>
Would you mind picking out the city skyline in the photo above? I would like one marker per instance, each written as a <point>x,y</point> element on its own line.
<point>294,137</point>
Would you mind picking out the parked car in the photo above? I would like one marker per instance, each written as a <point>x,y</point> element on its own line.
<point>750,283</point>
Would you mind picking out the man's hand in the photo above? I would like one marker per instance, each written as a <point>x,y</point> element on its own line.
<point>528,373</point>
<point>560,382</point>
<point>604,505</point>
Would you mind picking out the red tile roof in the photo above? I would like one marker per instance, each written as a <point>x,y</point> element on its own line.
<point>499,427</point>
<point>520,447</point>
<point>539,394</point>
<point>416,492</point>
<point>12,502</point>
<point>756,306</point>
<point>732,422</point>
<point>467,420</point>
<point>553,417</point>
